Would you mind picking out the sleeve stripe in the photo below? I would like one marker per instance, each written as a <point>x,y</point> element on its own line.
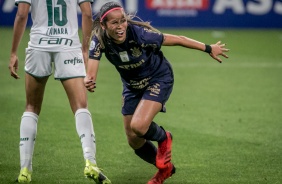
<point>18,2</point>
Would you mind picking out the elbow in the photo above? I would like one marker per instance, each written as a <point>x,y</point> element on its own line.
<point>173,40</point>
<point>22,16</point>
<point>87,16</point>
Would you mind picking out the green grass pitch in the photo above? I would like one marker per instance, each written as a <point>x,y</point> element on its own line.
<point>226,119</point>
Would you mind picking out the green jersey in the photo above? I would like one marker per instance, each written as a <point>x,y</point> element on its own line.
<point>55,24</point>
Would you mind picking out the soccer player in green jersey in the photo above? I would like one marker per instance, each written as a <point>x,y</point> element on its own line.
<point>54,40</point>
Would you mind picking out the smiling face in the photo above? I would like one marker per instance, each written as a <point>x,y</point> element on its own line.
<point>116,25</point>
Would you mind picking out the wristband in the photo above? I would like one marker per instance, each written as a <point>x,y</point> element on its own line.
<point>208,49</point>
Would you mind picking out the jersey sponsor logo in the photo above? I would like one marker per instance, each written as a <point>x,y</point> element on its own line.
<point>55,41</point>
<point>131,66</point>
<point>177,4</point>
<point>139,84</point>
<point>73,61</point>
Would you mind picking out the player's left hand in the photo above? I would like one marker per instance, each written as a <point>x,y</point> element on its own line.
<point>217,50</point>
<point>89,84</point>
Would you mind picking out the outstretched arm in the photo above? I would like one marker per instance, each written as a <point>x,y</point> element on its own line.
<point>214,50</point>
<point>19,28</point>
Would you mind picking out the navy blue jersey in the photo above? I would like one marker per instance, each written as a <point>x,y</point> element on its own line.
<point>138,59</point>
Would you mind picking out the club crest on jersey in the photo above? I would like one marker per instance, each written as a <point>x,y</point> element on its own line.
<point>124,56</point>
<point>136,52</point>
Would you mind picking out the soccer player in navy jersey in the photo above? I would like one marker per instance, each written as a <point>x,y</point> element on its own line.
<point>133,47</point>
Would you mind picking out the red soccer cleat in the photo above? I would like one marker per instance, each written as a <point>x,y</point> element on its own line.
<point>163,174</point>
<point>164,152</point>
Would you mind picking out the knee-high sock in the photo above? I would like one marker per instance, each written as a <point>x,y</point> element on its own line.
<point>155,133</point>
<point>147,152</point>
<point>85,131</point>
<point>28,131</point>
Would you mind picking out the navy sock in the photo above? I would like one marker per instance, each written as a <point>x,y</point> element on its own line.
<point>147,152</point>
<point>155,133</point>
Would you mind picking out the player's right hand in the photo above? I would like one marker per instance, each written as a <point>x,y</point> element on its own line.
<point>13,66</point>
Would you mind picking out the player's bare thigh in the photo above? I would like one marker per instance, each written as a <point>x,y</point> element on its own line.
<point>76,93</point>
<point>144,115</point>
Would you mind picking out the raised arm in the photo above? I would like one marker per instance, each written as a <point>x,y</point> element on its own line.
<point>19,28</point>
<point>214,49</point>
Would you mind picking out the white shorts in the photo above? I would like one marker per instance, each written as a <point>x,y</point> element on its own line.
<point>66,64</point>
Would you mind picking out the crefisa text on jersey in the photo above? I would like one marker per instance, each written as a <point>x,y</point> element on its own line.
<point>73,61</point>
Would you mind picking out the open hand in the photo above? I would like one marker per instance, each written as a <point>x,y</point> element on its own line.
<point>217,50</point>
